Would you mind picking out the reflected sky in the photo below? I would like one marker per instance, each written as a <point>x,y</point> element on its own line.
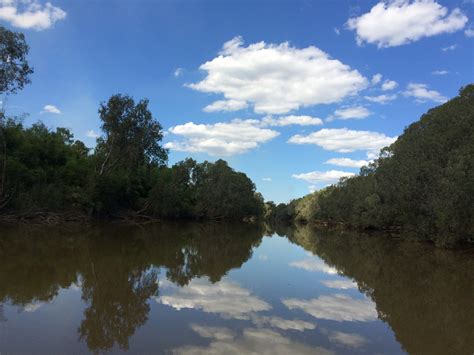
<point>230,289</point>
<point>249,341</point>
<point>337,307</point>
<point>226,298</point>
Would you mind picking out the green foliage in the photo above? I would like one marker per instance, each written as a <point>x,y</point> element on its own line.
<point>204,191</point>
<point>47,171</point>
<point>301,210</point>
<point>131,135</point>
<point>222,193</point>
<point>14,68</point>
<point>423,183</point>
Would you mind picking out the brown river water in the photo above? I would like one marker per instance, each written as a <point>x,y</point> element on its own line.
<point>190,288</point>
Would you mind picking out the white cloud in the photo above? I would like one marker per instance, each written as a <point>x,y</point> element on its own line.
<point>284,324</point>
<point>226,105</point>
<point>178,72</point>
<point>335,307</point>
<point>340,284</point>
<point>421,93</point>
<point>381,99</point>
<point>30,14</point>
<point>51,109</point>
<point>394,23</point>
<point>228,299</point>
<point>449,48</point>
<point>377,78</point>
<point>337,31</point>
<point>355,112</point>
<point>440,72</point>
<point>347,162</point>
<point>469,32</point>
<point>278,78</point>
<point>292,120</point>
<point>267,179</point>
<point>315,265</point>
<point>347,339</point>
<point>389,85</point>
<point>250,341</point>
<point>92,134</point>
<point>222,138</point>
<point>344,140</point>
<point>328,177</point>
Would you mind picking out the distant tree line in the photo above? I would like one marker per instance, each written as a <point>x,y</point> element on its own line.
<point>125,175</point>
<point>423,184</point>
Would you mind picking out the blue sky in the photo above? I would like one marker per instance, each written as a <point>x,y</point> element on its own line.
<point>286,91</point>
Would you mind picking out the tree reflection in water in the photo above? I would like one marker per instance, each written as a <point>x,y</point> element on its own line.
<point>117,268</point>
<point>425,294</point>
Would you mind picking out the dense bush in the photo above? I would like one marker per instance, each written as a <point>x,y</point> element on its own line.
<point>423,183</point>
<point>48,171</point>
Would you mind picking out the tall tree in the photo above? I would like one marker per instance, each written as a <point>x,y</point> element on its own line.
<point>131,135</point>
<point>14,75</point>
<point>14,68</point>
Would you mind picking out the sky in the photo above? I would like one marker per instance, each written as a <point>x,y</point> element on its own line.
<point>295,94</point>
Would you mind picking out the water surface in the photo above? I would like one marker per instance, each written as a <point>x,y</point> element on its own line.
<point>213,288</point>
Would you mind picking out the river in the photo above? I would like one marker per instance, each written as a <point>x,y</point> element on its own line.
<point>189,288</point>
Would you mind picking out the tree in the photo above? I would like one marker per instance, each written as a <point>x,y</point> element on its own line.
<point>14,68</point>
<point>423,183</point>
<point>14,75</point>
<point>131,135</point>
<point>222,193</point>
<point>126,154</point>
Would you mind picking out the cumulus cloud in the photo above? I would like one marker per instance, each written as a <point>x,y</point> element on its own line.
<point>469,32</point>
<point>30,14</point>
<point>228,299</point>
<point>226,106</point>
<point>349,113</point>
<point>278,78</point>
<point>344,140</point>
<point>335,307</point>
<point>347,339</point>
<point>389,85</point>
<point>377,78</point>
<point>51,109</point>
<point>292,120</point>
<point>222,138</point>
<point>394,23</point>
<point>440,72</point>
<point>267,179</point>
<point>92,134</point>
<point>339,284</point>
<point>327,177</point>
<point>315,265</point>
<point>422,94</point>
<point>347,162</point>
<point>250,341</point>
<point>381,99</point>
<point>178,72</point>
